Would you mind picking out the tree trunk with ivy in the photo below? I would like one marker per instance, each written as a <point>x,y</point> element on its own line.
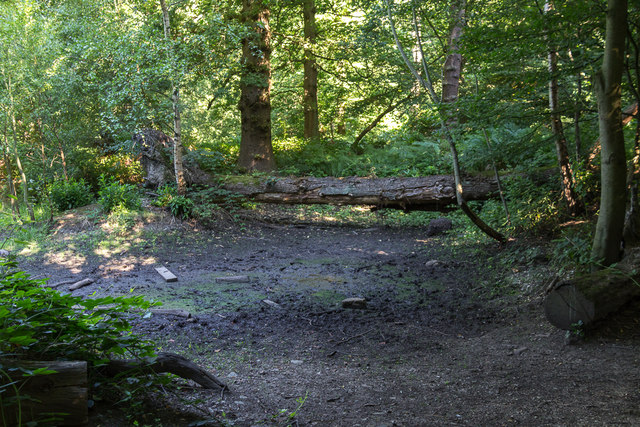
<point>310,82</point>
<point>256,150</point>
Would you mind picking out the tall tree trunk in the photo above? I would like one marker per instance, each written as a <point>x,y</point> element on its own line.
<point>608,237</point>
<point>574,206</point>
<point>256,151</point>
<point>310,84</point>
<point>175,98</point>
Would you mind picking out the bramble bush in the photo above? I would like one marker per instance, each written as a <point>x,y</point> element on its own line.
<point>114,195</point>
<point>70,194</point>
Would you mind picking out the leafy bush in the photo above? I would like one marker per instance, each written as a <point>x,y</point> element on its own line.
<point>180,206</point>
<point>113,195</point>
<point>70,194</point>
<point>40,323</point>
<point>165,194</point>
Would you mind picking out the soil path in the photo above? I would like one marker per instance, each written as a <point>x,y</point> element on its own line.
<point>452,334</point>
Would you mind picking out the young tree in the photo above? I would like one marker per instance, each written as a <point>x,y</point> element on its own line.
<point>256,151</point>
<point>574,204</point>
<point>175,97</point>
<point>608,85</point>
<point>427,84</point>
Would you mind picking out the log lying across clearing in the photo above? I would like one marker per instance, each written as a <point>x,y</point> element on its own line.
<point>594,296</point>
<point>431,193</point>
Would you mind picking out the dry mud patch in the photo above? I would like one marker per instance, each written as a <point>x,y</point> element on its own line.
<point>461,341</point>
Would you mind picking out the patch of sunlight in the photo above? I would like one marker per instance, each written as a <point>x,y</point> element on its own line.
<point>31,249</point>
<point>125,264</point>
<point>73,262</point>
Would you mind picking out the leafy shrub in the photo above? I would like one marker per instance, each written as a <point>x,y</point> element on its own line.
<point>113,195</point>
<point>70,194</point>
<point>165,194</point>
<point>573,249</point>
<point>181,206</point>
<point>40,323</point>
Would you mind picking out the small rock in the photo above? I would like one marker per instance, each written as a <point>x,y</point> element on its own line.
<point>354,303</point>
<point>433,263</point>
<point>520,350</point>
<point>439,226</point>
<point>297,362</point>
<point>232,375</point>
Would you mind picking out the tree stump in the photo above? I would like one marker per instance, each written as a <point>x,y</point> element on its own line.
<point>53,399</point>
<point>594,296</point>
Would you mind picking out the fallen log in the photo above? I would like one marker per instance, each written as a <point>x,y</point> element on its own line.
<point>594,296</point>
<point>58,398</point>
<point>431,193</point>
<point>167,363</point>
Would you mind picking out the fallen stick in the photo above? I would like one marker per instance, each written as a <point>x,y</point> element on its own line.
<point>81,284</point>
<point>64,282</point>
<point>232,279</point>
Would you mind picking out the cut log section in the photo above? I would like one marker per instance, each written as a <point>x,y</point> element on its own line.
<point>62,395</point>
<point>432,193</point>
<point>594,296</point>
<point>169,363</point>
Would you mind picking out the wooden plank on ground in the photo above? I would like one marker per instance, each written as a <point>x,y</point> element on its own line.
<point>232,279</point>
<point>166,274</point>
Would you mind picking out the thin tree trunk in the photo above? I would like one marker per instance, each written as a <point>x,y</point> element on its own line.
<point>310,102</point>
<point>13,196</point>
<point>175,98</point>
<point>452,69</point>
<point>446,131</point>
<point>14,128</point>
<point>576,118</point>
<point>256,150</point>
<point>574,206</point>
<point>355,146</point>
<point>608,237</point>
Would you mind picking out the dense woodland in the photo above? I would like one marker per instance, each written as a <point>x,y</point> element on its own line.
<point>326,89</point>
<point>540,97</point>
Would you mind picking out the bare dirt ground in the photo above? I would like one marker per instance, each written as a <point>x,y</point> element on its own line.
<point>453,332</point>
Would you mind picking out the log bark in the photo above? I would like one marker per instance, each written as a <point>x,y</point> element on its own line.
<point>168,363</point>
<point>594,296</point>
<point>61,396</point>
<point>430,193</point>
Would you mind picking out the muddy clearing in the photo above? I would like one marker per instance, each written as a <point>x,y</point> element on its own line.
<point>453,332</point>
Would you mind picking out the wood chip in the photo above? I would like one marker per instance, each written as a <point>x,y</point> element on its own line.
<point>271,303</point>
<point>172,312</point>
<point>80,284</point>
<point>232,279</point>
<point>166,274</point>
